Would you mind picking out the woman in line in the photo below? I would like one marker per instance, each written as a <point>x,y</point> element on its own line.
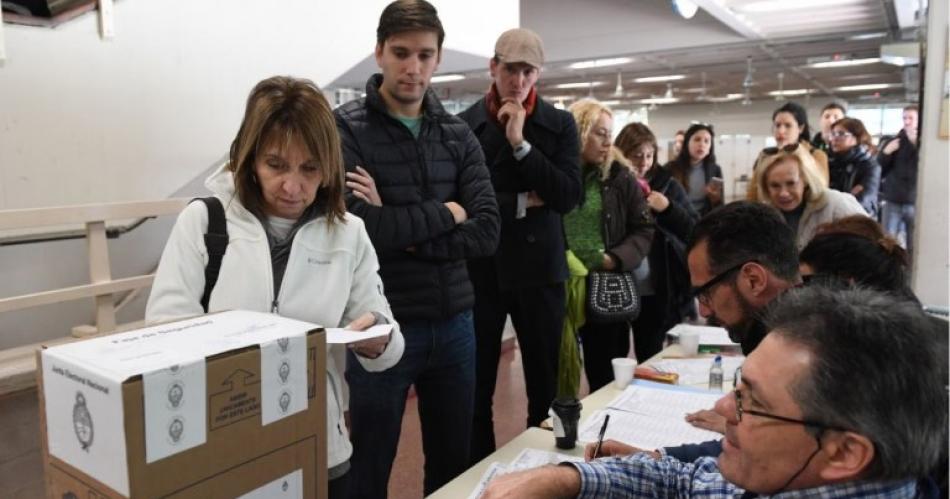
<point>856,250</point>
<point>611,229</point>
<point>696,170</point>
<point>662,278</point>
<point>790,130</point>
<point>282,189</point>
<point>790,182</point>
<point>853,167</point>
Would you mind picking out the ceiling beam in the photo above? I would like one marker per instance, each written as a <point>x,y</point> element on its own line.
<point>723,14</point>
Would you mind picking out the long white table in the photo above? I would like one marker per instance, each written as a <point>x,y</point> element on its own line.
<point>541,439</point>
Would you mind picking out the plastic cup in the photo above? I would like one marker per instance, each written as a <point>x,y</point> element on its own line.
<point>566,413</point>
<point>689,343</point>
<point>623,371</point>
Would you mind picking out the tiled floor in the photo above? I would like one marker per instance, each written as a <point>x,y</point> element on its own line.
<point>510,409</point>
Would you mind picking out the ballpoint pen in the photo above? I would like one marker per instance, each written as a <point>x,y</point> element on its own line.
<point>600,439</point>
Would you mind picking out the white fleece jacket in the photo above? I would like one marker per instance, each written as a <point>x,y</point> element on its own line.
<point>331,279</point>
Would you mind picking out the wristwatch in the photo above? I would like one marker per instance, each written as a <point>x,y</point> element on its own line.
<point>521,150</point>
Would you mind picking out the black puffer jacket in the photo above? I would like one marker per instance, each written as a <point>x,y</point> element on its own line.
<point>855,167</point>
<point>421,250</point>
<point>899,172</point>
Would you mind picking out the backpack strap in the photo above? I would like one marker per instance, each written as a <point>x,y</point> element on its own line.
<point>216,242</point>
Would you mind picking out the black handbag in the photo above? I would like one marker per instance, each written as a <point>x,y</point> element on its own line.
<point>612,296</point>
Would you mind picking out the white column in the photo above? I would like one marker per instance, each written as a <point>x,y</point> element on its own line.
<point>931,274</point>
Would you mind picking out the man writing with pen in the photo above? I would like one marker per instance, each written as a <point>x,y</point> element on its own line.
<point>834,403</point>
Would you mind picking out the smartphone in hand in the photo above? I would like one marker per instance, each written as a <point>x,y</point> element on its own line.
<point>716,183</point>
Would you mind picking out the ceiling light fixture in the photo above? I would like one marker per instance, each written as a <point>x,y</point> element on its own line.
<point>781,86</point>
<point>869,86</point>
<point>684,8</point>
<point>445,78</point>
<point>618,90</point>
<point>785,93</point>
<point>844,63</point>
<point>659,100</point>
<point>868,36</point>
<point>659,79</point>
<point>600,63</point>
<point>767,6</point>
<point>580,84</point>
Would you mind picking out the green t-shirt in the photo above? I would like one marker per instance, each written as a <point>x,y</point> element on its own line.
<point>583,224</point>
<point>413,124</point>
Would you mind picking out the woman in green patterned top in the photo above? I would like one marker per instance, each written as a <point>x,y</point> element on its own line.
<point>611,229</point>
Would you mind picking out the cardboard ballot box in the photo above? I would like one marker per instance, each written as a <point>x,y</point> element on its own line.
<point>231,404</point>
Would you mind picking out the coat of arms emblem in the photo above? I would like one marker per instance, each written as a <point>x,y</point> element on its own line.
<point>82,422</point>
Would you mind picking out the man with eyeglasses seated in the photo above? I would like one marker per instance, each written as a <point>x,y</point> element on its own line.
<point>741,257</point>
<point>834,403</point>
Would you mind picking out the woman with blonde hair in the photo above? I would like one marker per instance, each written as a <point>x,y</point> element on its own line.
<point>611,229</point>
<point>790,182</point>
<point>291,248</point>
<point>790,130</point>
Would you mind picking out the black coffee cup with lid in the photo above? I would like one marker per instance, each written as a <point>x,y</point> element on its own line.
<point>566,413</point>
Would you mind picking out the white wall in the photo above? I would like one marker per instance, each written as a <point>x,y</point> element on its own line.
<point>932,262</point>
<point>142,116</point>
<point>85,120</point>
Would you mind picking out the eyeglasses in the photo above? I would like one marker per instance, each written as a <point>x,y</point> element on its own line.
<point>786,148</point>
<point>838,134</point>
<point>702,293</point>
<point>740,411</point>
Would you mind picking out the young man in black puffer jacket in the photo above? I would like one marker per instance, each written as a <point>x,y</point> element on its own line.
<point>417,177</point>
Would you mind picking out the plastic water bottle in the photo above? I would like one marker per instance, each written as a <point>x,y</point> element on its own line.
<point>715,374</point>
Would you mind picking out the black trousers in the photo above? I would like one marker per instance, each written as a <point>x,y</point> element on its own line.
<point>537,315</point>
<point>600,343</point>
<point>649,329</point>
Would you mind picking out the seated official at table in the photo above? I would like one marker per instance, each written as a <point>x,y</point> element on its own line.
<point>833,403</point>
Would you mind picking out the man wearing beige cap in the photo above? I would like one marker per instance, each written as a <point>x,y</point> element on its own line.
<point>532,153</point>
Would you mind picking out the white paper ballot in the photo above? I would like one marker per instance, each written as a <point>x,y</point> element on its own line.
<point>533,458</point>
<point>712,336</point>
<point>341,336</point>
<point>494,470</point>
<point>175,409</point>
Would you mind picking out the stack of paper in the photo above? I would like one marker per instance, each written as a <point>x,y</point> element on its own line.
<point>529,458</point>
<point>712,336</point>
<point>650,417</point>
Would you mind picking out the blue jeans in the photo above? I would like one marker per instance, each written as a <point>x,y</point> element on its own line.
<point>897,218</point>
<point>439,360</point>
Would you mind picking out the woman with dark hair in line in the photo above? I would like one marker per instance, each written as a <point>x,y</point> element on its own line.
<point>611,229</point>
<point>696,170</point>
<point>282,192</point>
<point>662,278</point>
<point>790,130</point>
<point>856,251</point>
<point>853,167</point>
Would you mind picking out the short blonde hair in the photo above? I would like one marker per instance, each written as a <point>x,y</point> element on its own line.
<point>807,170</point>
<point>586,112</point>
